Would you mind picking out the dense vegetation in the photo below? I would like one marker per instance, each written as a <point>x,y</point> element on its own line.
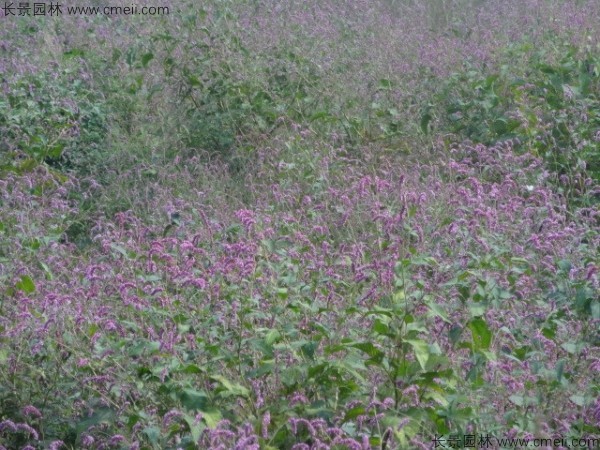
<point>301,225</point>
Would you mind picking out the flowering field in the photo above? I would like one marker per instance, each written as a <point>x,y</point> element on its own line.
<point>333,224</point>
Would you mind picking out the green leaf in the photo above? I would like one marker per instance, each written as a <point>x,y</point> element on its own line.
<point>92,329</point>
<point>3,355</point>
<point>211,416</point>
<point>369,349</point>
<point>229,388</point>
<point>26,284</point>
<point>100,416</point>
<point>437,311</point>
<point>116,54</point>
<point>385,84</point>
<point>321,115</point>
<point>421,349</point>
<point>454,333</point>
<point>194,81</point>
<point>381,326</point>
<point>55,151</point>
<point>152,433</point>
<point>149,173</point>
<point>74,52</point>
<point>560,370</point>
<point>490,356</point>
<point>438,397</point>
<point>119,249</point>
<point>130,57</point>
<point>308,349</point>
<point>272,336</point>
<point>564,265</point>
<point>573,348</point>
<point>191,368</point>
<point>517,400</point>
<point>193,400</point>
<point>144,347</point>
<point>354,413</point>
<point>47,271</point>
<point>266,367</point>
<point>196,429</point>
<point>595,310</point>
<point>477,310</point>
<point>146,58</point>
<point>482,336</point>
<point>579,400</point>
<point>426,117</point>
<point>464,292</point>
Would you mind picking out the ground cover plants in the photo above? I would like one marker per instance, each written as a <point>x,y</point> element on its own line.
<point>301,225</point>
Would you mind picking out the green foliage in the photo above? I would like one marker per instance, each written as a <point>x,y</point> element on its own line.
<point>229,106</point>
<point>551,110</point>
<point>52,118</point>
<point>577,294</point>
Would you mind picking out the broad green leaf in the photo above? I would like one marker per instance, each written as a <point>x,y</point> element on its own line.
<point>212,417</point>
<point>47,271</point>
<point>100,416</point>
<point>381,327</point>
<point>399,297</point>
<point>438,397</point>
<point>196,428</point>
<point>119,249</point>
<point>26,284</point>
<point>92,329</point>
<point>477,310</point>
<point>308,349</point>
<point>144,347</point>
<point>272,336</point>
<point>490,356</point>
<point>595,309</point>
<point>321,115</point>
<point>193,400</point>
<point>560,369</point>
<point>482,336</point>
<point>230,388</point>
<point>564,265</point>
<point>437,311</point>
<point>152,433</point>
<point>572,347</point>
<point>73,53</point>
<point>517,400</point>
<point>146,58</point>
<point>191,368</point>
<point>368,348</point>
<point>194,80</point>
<point>455,333</point>
<point>385,84</point>
<point>421,349</point>
<point>354,413</point>
<point>425,119</point>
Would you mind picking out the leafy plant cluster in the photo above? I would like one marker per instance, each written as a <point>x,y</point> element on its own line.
<point>52,117</point>
<point>551,109</point>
